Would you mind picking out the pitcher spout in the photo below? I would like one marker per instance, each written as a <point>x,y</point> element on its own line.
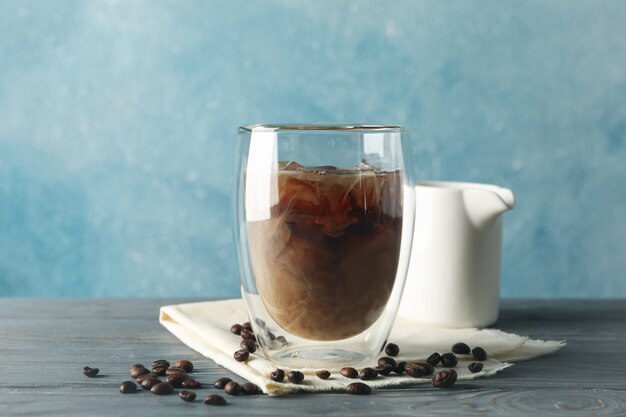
<point>484,203</point>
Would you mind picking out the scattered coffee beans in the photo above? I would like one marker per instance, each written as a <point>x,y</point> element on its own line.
<point>241,355</point>
<point>248,335</point>
<point>349,372</point>
<point>358,388</point>
<point>445,378</point>
<point>248,345</point>
<point>385,360</point>
<point>90,372</point>
<point>162,388</point>
<point>322,374</point>
<point>187,396</point>
<point>148,383</point>
<point>449,360</point>
<point>137,370</point>
<point>384,369</point>
<point>191,384</point>
<point>177,379</point>
<point>247,326</point>
<point>236,329</point>
<point>399,369</point>
<point>128,387</point>
<point>278,375</point>
<point>232,388</point>
<point>460,348</point>
<point>392,349</point>
<point>475,367</point>
<point>185,365</point>
<point>295,377</point>
<point>479,354</point>
<point>367,374</point>
<point>250,389</point>
<point>214,400</point>
<point>221,383</point>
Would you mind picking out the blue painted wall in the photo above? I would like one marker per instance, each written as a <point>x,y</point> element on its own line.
<point>118,118</point>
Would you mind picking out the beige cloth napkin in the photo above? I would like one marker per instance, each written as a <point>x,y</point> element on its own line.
<point>205,327</point>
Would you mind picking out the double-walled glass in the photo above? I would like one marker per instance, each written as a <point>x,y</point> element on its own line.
<point>323,228</point>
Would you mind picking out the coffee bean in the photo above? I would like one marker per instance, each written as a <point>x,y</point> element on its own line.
<point>214,400</point>
<point>128,387</point>
<point>241,355</point>
<point>349,372</point>
<point>460,348</point>
<point>159,370</point>
<point>414,370</point>
<point>278,375</point>
<point>248,345</point>
<point>418,369</point>
<point>162,388</point>
<point>187,396</point>
<point>260,323</point>
<point>191,384</point>
<point>221,383</point>
<point>281,340</point>
<point>177,379</point>
<point>160,362</point>
<point>434,359</point>
<point>449,360</point>
<point>248,335</point>
<point>295,377</point>
<point>392,349</point>
<point>445,378</point>
<point>358,388</point>
<point>148,383</point>
<point>322,374</point>
<point>479,354</point>
<point>386,360</point>
<point>271,335</point>
<point>90,372</point>
<point>250,389</point>
<point>236,329</point>
<point>399,369</point>
<point>232,388</point>
<point>138,369</point>
<point>149,375</point>
<point>475,367</point>
<point>247,326</point>
<point>367,374</point>
<point>384,369</point>
<point>184,364</point>
<point>175,370</point>
<point>428,367</point>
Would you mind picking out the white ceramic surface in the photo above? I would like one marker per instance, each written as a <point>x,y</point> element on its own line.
<point>454,272</point>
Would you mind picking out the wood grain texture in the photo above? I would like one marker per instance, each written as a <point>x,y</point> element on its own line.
<point>44,344</point>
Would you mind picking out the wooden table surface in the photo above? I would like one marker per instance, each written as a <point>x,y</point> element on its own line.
<point>44,344</point>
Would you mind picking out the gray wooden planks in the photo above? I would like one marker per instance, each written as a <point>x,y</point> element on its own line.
<point>45,343</point>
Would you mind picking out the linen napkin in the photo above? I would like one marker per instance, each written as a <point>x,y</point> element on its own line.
<point>205,327</point>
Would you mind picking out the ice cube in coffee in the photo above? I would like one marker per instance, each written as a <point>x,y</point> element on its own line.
<point>325,260</point>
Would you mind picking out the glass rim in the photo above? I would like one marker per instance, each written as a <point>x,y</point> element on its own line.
<point>321,127</point>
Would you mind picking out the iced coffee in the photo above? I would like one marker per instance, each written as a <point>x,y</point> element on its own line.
<point>325,260</point>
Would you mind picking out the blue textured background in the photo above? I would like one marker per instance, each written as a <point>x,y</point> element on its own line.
<point>118,118</point>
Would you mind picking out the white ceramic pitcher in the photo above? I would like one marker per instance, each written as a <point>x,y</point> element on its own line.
<point>454,272</point>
